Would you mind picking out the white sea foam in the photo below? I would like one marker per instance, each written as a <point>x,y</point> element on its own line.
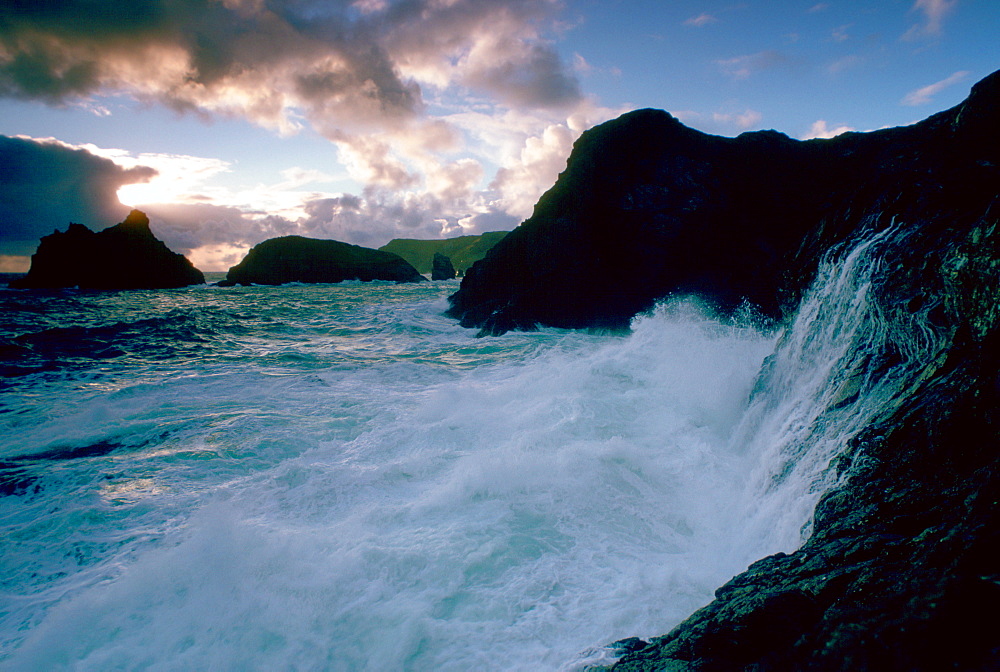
<point>375,489</point>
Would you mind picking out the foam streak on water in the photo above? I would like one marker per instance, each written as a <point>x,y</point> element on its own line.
<point>338,477</point>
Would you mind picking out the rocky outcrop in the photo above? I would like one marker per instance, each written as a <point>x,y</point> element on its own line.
<point>124,256</point>
<point>441,268</point>
<point>463,251</point>
<point>901,561</point>
<point>296,259</point>
<point>899,571</point>
<point>648,207</point>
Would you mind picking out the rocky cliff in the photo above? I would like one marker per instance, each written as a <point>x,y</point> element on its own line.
<point>124,256</point>
<point>297,259</point>
<point>648,207</point>
<point>899,570</point>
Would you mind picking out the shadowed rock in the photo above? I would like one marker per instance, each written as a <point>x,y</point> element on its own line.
<point>648,207</point>
<point>441,268</point>
<point>296,259</point>
<point>124,256</point>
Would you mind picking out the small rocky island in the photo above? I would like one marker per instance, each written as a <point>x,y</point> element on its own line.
<point>310,260</point>
<point>124,256</point>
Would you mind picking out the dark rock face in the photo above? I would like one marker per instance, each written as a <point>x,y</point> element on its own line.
<point>441,268</point>
<point>124,256</point>
<point>297,259</point>
<point>648,207</point>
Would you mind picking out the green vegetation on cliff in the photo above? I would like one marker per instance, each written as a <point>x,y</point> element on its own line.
<point>463,251</point>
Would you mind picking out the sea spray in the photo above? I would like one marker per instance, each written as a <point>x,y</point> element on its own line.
<point>840,364</point>
<point>358,483</point>
<point>340,478</point>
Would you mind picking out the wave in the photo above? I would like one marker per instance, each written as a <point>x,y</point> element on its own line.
<point>423,499</point>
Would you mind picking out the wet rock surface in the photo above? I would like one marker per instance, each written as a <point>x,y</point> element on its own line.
<point>900,567</point>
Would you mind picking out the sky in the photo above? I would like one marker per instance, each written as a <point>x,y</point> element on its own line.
<point>233,121</point>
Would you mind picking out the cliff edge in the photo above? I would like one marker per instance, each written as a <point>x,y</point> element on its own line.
<point>647,208</point>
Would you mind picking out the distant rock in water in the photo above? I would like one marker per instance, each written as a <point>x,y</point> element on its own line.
<point>441,268</point>
<point>297,259</point>
<point>463,251</point>
<point>124,256</point>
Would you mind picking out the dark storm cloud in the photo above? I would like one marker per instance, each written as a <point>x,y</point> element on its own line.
<point>344,64</point>
<point>45,186</point>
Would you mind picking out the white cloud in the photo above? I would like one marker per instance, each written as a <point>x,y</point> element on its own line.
<point>839,34</point>
<point>702,19</point>
<point>743,121</point>
<point>934,13</point>
<point>276,62</point>
<point>819,129</point>
<point>363,74</point>
<point>723,122</point>
<point>742,67</point>
<point>845,63</point>
<point>926,94</point>
<point>14,263</point>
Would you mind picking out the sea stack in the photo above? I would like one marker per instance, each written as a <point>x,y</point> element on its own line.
<point>441,268</point>
<point>124,256</point>
<point>297,259</point>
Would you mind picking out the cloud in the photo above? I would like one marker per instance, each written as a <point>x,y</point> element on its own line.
<point>819,129</point>
<point>340,66</point>
<point>742,67</point>
<point>818,7</point>
<point>723,122</point>
<point>361,73</point>
<point>926,94</point>
<point>845,63</point>
<point>743,121</point>
<point>539,162</point>
<point>702,19</point>
<point>12,263</point>
<point>46,184</point>
<point>934,13</point>
<point>840,34</point>
<point>419,192</point>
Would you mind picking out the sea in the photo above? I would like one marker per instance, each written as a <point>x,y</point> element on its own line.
<point>340,477</point>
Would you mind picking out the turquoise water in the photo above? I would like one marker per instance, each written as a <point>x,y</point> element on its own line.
<point>339,477</point>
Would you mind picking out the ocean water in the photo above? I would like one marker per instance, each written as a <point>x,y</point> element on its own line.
<point>338,477</point>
